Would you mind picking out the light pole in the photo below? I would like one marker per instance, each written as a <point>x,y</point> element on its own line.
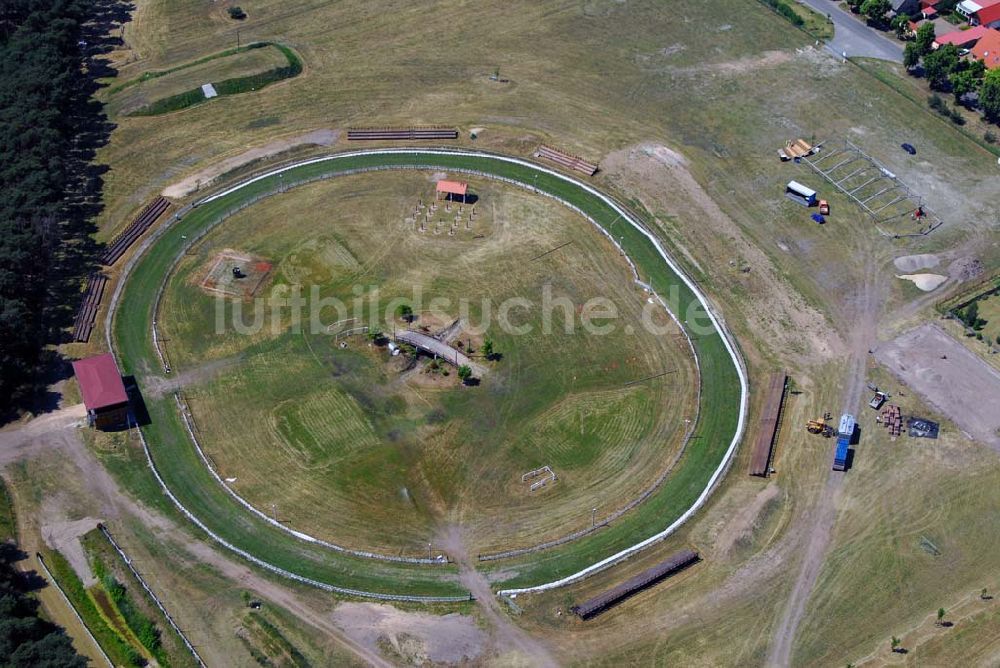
<point>593,518</point>
<point>428,551</point>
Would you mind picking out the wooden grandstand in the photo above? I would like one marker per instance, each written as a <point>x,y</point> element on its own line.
<point>566,160</point>
<point>87,315</point>
<point>602,602</point>
<point>417,133</point>
<point>770,418</point>
<point>123,241</point>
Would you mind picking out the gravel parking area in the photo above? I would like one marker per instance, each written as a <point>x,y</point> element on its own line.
<point>949,377</point>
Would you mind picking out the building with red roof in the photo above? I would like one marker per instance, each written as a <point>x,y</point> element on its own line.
<point>987,49</point>
<point>103,391</point>
<point>452,188</point>
<point>988,16</point>
<point>980,12</point>
<point>963,39</point>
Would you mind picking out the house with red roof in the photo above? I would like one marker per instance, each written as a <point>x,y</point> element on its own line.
<point>103,391</point>
<point>987,49</point>
<point>963,39</point>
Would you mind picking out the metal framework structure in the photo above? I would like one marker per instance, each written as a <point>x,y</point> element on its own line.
<point>876,190</point>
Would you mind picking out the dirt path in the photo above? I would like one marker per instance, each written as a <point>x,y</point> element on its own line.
<point>157,386</point>
<point>513,644</point>
<point>183,188</point>
<point>823,515</point>
<point>57,432</point>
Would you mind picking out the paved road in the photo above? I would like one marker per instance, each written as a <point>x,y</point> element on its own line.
<point>853,37</point>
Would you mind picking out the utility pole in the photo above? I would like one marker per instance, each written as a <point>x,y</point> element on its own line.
<point>237,38</point>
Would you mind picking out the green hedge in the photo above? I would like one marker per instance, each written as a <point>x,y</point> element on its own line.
<point>121,652</point>
<point>144,628</point>
<point>233,86</point>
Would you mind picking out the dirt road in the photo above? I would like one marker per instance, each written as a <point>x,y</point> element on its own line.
<point>56,432</point>
<point>514,645</point>
<point>864,314</point>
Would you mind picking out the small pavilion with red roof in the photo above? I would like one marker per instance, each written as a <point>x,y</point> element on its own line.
<point>103,391</point>
<point>447,188</point>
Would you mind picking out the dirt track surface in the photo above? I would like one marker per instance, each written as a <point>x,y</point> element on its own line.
<point>949,377</point>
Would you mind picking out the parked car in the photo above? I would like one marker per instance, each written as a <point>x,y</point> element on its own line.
<point>909,149</point>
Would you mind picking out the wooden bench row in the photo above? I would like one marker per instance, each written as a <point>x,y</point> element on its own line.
<point>87,315</point>
<point>376,134</point>
<point>770,418</point>
<point>123,241</point>
<point>566,160</point>
<point>595,606</point>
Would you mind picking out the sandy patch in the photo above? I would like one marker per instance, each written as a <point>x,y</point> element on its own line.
<point>65,538</point>
<point>414,637</point>
<point>324,137</point>
<point>911,263</point>
<point>743,523</point>
<point>949,377</point>
<point>925,282</point>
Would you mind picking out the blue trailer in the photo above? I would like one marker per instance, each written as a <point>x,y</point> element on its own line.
<point>840,458</point>
<point>845,432</point>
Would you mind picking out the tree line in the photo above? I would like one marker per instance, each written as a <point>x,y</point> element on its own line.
<point>947,71</point>
<point>49,128</point>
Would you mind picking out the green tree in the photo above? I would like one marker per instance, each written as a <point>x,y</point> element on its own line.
<point>900,25</point>
<point>895,643</point>
<point>925,39</point>
<point>962,83</point>
<point>939,65</point>
<point>989,94</point>
<point>911,56</point>
<point>971,315</point>
<point>374,334</point>
<point>488,348</point>
<point>875,10</point>
<point>940,616</point>
<point>984,594</point>
<point>405,312</point>
<point>464,373</point>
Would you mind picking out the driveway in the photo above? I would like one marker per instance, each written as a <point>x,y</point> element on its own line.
<point>853,37</point>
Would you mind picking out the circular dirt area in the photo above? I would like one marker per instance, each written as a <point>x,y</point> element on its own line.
<point>314,423</point>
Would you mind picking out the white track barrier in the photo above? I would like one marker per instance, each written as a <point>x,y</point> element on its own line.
<point>627,217</point>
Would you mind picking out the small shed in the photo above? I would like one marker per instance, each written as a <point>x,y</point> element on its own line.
<point>103,391</point>
<point>447,188</point>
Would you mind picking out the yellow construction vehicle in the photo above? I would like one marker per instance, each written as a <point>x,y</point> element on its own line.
<point>819,427</point>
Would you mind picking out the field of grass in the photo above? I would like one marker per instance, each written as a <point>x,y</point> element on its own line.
<point>348,445</point>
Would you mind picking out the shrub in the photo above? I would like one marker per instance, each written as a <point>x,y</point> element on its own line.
<point>990,137</point>
<point>237,13</point>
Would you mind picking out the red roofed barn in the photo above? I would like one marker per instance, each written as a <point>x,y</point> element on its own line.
<point>103,391</point>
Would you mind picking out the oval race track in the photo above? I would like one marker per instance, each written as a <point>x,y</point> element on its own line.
<point>183,476</point>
